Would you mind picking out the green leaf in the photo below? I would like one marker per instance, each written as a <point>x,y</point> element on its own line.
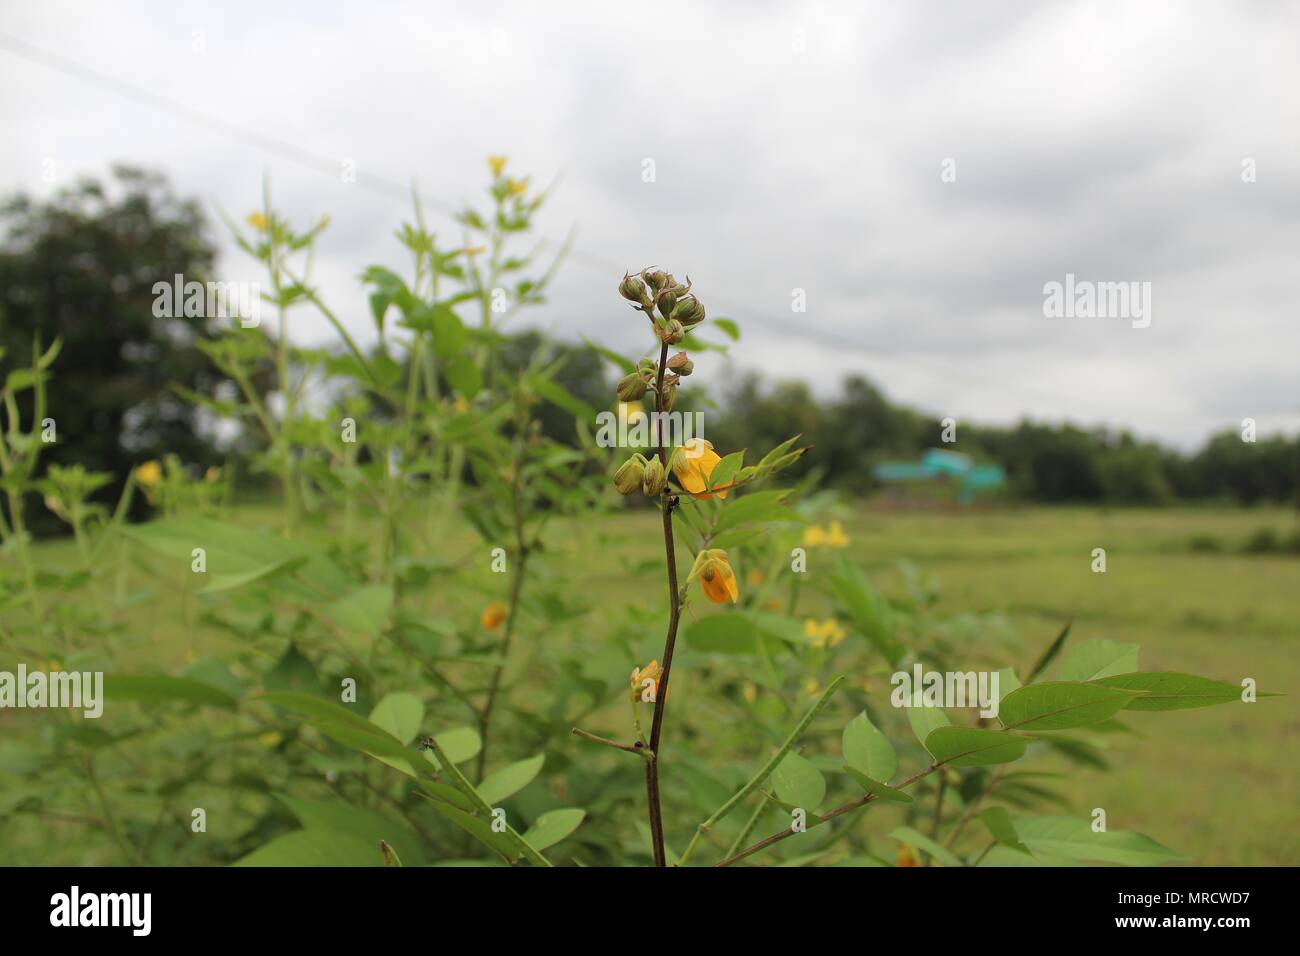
<point>465,376</point>
<point>922,842</point>
<point>1058,705</point>
<point>925,720</point>
<point>1002,827</point>
<point>971,747</point>
<point>1165,690</point>
<point>1074,839</point>
<point>867,750</point>
<point>400,714</point>
<point>881,791</point>
<point>368,826</point>
<point>508,781</point>
<point>729,328</point>
<point>1048,655</point>
<point>152,688</point>
<point>798,783</point>
<point>867,609</point>
<point>726,469</point>
<point>553,826</point>
<point>315,848</point>
<point>1099,658</point>
<point>764,506</point>
<point>459,744</point>
<point>365,610</point>
<point>342,725</point>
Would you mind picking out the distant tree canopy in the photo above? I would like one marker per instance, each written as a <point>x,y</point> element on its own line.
<point>856,430</point>
<point>81,266</point>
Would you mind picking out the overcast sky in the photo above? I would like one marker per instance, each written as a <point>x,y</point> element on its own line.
<point>795,146</point>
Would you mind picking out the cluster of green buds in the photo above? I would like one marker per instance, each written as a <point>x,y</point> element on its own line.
<point>638,473</point>
<point>669,304</point>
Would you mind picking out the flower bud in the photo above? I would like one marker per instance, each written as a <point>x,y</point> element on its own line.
<point>630,474</point>
<point>655,478</point>
<point>668,397</point>
<point>677,361</point>
<point>673,332</point>
<point>658,281</point>
<point>689,311</point>
<point>687,368</point>
<point>631,288</point>
<point>631,388</point>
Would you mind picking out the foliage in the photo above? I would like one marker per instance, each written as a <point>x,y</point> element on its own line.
<point>389,690</point>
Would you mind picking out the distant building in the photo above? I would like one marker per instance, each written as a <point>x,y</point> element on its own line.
<point>938,467</point>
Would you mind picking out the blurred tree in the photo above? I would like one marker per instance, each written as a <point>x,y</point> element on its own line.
<point>81,266</point>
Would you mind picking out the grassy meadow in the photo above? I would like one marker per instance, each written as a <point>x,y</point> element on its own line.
<point>1220,785</point>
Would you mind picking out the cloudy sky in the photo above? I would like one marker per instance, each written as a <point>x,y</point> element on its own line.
<point>919,170</point>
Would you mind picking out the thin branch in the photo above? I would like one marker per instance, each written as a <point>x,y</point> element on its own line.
<point>640,751</point>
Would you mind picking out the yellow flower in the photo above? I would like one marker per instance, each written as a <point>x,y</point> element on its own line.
<point>693,466</point>
<point>149,474</point>
<point>212,474</point>
<point>493,615</point>
<point>749,691</point>
<point>631,412</point>
<point>640,675</point>
<point>461,404</point>
<point>755,578</point>
<point>826,633</point>
<point>716,577</point>
<point>497,164</point>
<point>811,687</point>
<point>832,536</point>
<point>907,856</point>
<point>517,187</point>
<point>257,221</point>
<point>773,604</point>
<point>270,739</point>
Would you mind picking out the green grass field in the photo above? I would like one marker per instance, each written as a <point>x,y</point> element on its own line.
<point>1219,784</point>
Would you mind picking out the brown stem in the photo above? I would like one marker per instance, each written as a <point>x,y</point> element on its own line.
<point>674,613</point>
<point>579,732</point>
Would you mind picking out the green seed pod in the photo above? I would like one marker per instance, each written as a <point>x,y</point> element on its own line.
<point>630,474</point>
<point>631,288</point>
<point>669,397</point>
<point>658,281</point>
<point>655,479</point>
<point>689,311</point>
<point>673,332</point>
<point>631,388</point>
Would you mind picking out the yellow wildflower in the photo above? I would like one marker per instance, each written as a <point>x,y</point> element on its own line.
<point>827,633</point>
<point>694,465</point>
<point>212,474</point>
<point>149,474</point>
<point>497,164</point>
<point>517,187</point>
<point>907,856</point>
<point>749,691</point>
<point>835,536</point>
<point>257,221</point>
<point>811,687</point>
<point>755,578</point>
<point>716,577</point>
<point>814,536</point>
<point>832,536</point>
<point>640,675</point>
<point>475,250</point>
<point>493,615</point>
